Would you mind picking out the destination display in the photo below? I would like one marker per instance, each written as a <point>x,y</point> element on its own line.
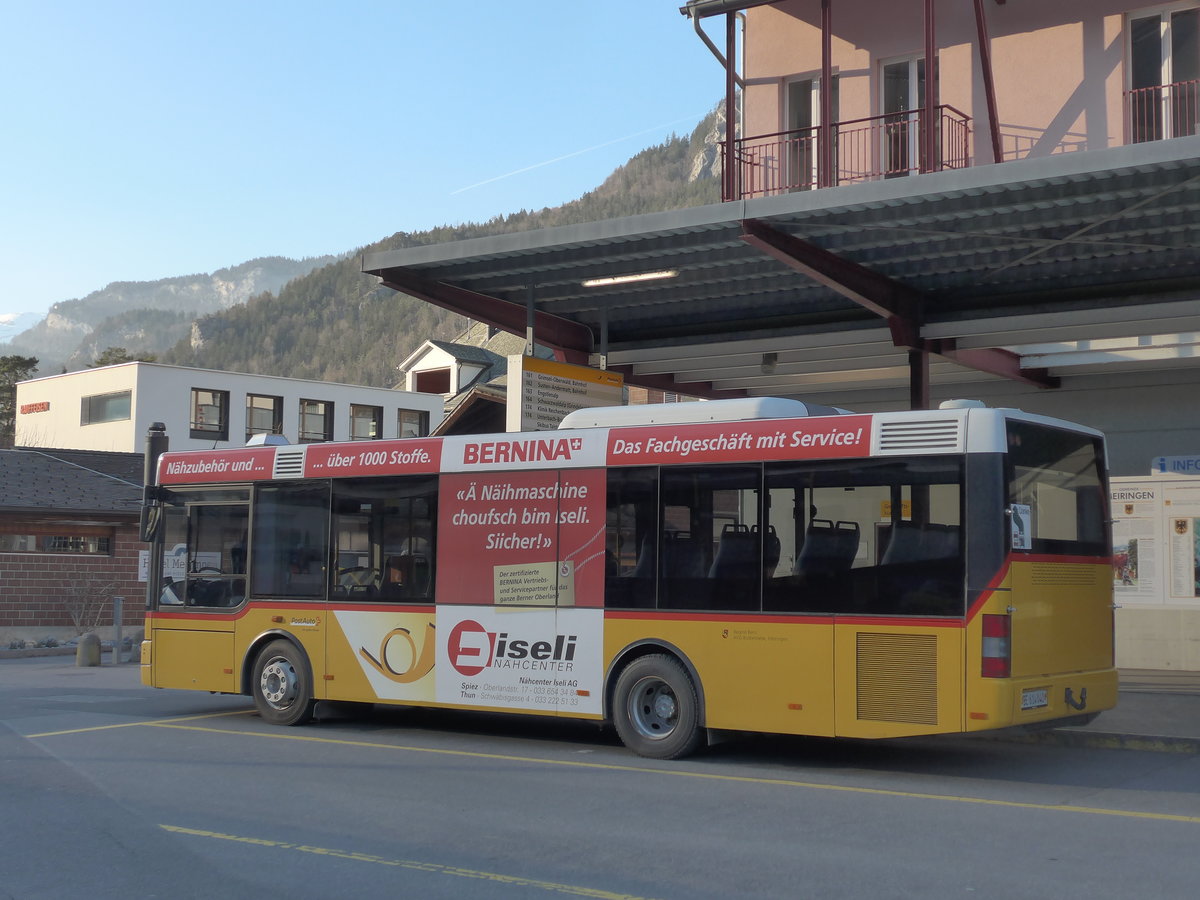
<point>202,466</point>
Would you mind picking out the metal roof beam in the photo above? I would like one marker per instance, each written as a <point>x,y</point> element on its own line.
<point>550,331</point>
<point>994,361</point>
<point>897,304</point>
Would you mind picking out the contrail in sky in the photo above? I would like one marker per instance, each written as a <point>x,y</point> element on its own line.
<point>548,162</point>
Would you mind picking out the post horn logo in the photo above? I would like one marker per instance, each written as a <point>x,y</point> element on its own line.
<point>422,660</point>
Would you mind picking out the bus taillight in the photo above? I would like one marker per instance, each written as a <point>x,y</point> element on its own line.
<point>997,646</point>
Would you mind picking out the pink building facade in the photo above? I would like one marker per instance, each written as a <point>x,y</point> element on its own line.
<point>1012,80</point>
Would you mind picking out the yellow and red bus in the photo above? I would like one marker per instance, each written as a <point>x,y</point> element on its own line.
<point>759,565</point>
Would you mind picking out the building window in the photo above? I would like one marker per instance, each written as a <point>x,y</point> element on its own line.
<point>99,544</point>
<point>264,415</point>
<point>366,422</point>
<point>1164,74</point>
<point>799,151</point>
<point>210,414</point>
<point>115,407</point>
<point>316,421</point>
<point>902,85</point>
<point>413,423</point>
<point>433,381</point>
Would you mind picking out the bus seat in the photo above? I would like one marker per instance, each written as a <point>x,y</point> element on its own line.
<point>941,542</point>
<point>682,557</point>
<point>771,551</point>
<point>410,573</point>
<point>737,553</point>
<point>612,567</point>
<point>906,544</point>
<point>829,548</point>
<point>644,567</point>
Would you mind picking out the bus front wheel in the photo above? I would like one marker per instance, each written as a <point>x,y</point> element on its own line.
<point>655,708</point>
<point>282,684</point>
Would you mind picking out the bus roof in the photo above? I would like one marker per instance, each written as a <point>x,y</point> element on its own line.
<point>627,436</point>
<point>740,409</point>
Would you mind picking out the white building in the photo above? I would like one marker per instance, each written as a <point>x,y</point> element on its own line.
<point>449,368</point>
<point>111,408</point>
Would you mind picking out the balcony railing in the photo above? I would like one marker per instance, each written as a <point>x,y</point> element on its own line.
<point>887,146</point>
<point>1162,111</point>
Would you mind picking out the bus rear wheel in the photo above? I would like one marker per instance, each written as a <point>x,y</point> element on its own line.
<point>282,685</point>
<point>655,708</point>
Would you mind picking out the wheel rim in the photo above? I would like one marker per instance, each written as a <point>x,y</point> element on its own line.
<point>279,684</point>
<point>653,709</point>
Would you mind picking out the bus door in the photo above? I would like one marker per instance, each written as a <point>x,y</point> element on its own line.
<point>289,557</point>
<point>382,639</point>
<point>203,589</point>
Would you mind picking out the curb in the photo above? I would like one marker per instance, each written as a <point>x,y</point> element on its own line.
<point>37,651</point>
<point>1107,740</point>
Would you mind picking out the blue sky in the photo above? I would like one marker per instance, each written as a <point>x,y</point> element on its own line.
<point>143,140</point>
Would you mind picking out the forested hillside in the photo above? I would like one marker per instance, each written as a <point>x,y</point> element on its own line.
<point>336,324</point>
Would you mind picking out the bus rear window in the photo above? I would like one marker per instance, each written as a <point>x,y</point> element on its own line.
<point>1056,493</point>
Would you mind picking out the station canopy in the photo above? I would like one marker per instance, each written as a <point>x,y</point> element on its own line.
<point>1079,263</point>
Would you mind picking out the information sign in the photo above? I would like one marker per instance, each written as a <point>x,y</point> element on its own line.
<point>541,391</point>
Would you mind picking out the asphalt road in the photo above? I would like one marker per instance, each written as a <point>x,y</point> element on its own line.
<point>109,789</point>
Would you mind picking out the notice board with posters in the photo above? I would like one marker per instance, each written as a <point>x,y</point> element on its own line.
<point>1156,540</point>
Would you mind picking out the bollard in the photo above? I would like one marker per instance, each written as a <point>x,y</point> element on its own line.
<point>118,615</point>
<point>87,652</point>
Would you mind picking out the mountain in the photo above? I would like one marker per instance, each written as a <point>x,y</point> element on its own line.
<point>146,316</point>
<point>330,322</point>
<point>12,324</point>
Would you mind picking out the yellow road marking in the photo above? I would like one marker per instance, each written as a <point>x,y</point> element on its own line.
<point>436,868</point>
<point>239,712</point>
<point>682,773</point>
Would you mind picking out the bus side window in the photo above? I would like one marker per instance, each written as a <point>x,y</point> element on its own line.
<point>385,538</point>
<point>711,547</point>
<point>631,538</point>
<point>291,524</point>
<point>868,536</point>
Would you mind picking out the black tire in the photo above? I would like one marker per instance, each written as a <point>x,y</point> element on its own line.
<point>282,684</point>
<point>655,708</point>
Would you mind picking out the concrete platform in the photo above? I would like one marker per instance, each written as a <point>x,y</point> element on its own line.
<point>1156,710</point>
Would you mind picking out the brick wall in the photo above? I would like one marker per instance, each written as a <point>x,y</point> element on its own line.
<point>49,590</point>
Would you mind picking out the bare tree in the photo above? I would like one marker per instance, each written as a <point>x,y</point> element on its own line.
<point>87,599</point>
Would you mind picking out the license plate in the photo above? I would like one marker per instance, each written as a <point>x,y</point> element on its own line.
<point>1034,698</point>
